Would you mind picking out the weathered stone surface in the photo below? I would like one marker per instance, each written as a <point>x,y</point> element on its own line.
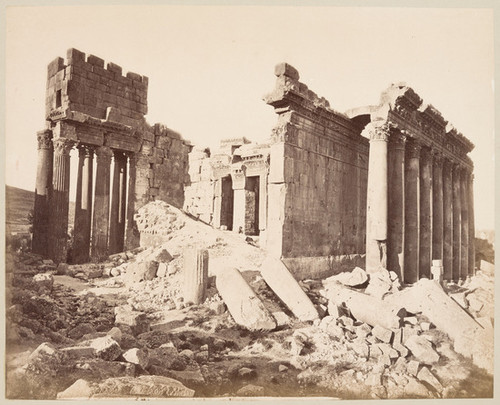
<point>242,302</point>
<point>459,298</point>
<point>137,356</point>
<point>80,330</point>
<point>149,386</point>
<point>379,284</point>
<point>141,271</point>
<point>414,389</point>
<point>381,333</point>
<point>287,289</point>
<point>374,379</point>
<point>162,270</point>
<point>76,352</point>
<point>44,280</point>
<point>354,278</point>
<point>106,348</point>
<point>80,389</point>
<point>137,321</point>
<point>425,375</point>
<point>282,319</point>
<point>422,349</point>
<point>195,275</point>
<point>116,334</point>
<point>250,390</point>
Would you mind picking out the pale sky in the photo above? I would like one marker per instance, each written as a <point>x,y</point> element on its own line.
<point>210,66</point>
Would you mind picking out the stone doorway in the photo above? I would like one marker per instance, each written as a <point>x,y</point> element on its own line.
<point>252,196</point>
<point>227,197</point>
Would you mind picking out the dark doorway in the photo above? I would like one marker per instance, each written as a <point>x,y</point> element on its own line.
<point>252,205</point>
<point>226,215</point>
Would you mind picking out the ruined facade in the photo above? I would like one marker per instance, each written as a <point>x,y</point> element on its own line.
<point>420,189</point>
<point>100,111</point>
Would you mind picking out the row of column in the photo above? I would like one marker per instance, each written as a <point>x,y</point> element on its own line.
<point>96,234</point>
<point>419,209</point>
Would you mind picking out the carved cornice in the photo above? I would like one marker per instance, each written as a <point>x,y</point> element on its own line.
<point>63,146</point>
<point>44,139</point>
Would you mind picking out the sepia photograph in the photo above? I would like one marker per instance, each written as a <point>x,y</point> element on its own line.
<point>249,201</point>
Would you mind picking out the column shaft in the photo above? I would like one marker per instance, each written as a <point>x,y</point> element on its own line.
<point>239,206</point>
<point>83,206</point>
<point>217,203</point>
<point>464,252</point>
<point>132,235</point>
<point>58,242</point>
<point>118,204</point>
<point>42,192</point>
<point>457,219</point>
<point>472,230</point>
<point>447,220</point>
<point>376,204</point>
<point>396,178</point>
<point>412,212</point>
<point>101,205</point>
<point>425,243</point>
<point>262,202</point>
<point>437,208</point>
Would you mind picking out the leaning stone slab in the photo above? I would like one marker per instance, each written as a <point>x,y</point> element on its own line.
<point>284,285</point>
<point>242,302</point>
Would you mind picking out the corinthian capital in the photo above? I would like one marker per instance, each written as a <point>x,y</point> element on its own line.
<point>104,154</point>
<point>62,146</point>
<point>44,139</point>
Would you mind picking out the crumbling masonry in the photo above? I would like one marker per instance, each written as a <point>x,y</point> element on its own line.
<point>387,186</point>
<point>100,112</point>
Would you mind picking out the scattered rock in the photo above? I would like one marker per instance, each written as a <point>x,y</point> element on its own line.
<point>137,356</point>
<point>282,368</point>
<point>81,330</point>
<point>412,367</point>
<point>44,280</point>
<point>77,352</point>
<point>106,348</point>
<point>137,321</point>
<point>162,270</point>
<point>218,307</point>
<point>250,390</point>
<point>383,334</point>
<point>80,389</point>
<point>380,284</point>
<point>374,379</point>
<point>116,334</point>
<point>416,389</point>
<point>426,376</point>
<point>422,349</point>
<point>149,386</point>
<point>354,278</point>
<point>140,271</point>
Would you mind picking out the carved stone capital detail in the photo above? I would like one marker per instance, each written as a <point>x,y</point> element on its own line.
<point>62,146</point>
<point>413,149</point>
<point>85,151</point>
<point>104,154</point>
<point>44,139</point>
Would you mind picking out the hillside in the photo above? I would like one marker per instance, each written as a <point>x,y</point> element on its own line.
<point>18,204</point>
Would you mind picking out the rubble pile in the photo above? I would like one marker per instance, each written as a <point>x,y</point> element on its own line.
<point>122,329</point>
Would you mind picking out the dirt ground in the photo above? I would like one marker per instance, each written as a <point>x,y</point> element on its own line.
<point>122,329</point>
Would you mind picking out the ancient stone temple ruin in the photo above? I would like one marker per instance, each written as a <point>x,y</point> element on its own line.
<point>387,186</point>
<point>420,193</point>
<point>100,111</point>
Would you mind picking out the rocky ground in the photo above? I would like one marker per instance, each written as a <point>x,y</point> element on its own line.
<point>122,329</point>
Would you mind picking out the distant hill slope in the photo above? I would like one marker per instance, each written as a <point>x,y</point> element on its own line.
<point>18,204</point>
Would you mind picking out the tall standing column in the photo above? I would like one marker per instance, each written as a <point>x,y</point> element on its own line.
<point>425,243</point>
<point>472,229</point>
<point>83,205</point>
<point>118,204</point>
<point>42,192</point>
<point>376,204</point>
<point>58,242</point>
<point>132,235</point>
<point>464,223</point>
<point>437,208</point>
<point>396,178</point>
<point>217,203</point>
<point>262,202</point>
<point>101,204</point>
<point>447,220</point>
<point>412,212</point>
<point>457,219</point>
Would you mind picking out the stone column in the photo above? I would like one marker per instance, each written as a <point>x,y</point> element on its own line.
<point>239,206</point>
<point>472,229</point>
<point>412,212</point>
<point>58,242</point>
<point>425,243</point>
<point>262,202</point>
<point>464,223</point>
<point>395,237</point>
<point>83,205</point>
<point>457,220</point>
<point>118,204</point>
<point>447,220</point>
<point>132,235</point>
<point>42,192</point>
<point>217,203</point>
<point>195,275</point>
<point>101,204</point>
<point>376,211</point>
<point>437,208</point>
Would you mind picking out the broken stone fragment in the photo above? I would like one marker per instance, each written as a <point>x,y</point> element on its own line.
<point>284,69</point>
<point>374,379</point>
<point>81,330</point>
<point>80,389</point>
<point>243,304</point>
<point>380,283</point>
<point>415,389</point>
<point>137,321</point>
<point>282,368</point>
<point>422,349</point>
<point>381,333</point>
<point>106,348</point>
<point>147,386</point>
<point>140,271</point>
<point>288,290</point>
<point>116,334</point>
<point>162,270</point>
<point>250,390</point>
<point>44,280</point>
<point>137,356</point>
<point>354,278</point>
<point>426,376</point>
<point>76,352</point>
<point>459,298</point>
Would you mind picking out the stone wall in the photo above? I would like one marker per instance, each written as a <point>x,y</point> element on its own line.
<point>318,175</point>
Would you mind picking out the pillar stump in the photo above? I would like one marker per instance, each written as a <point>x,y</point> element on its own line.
<point>101,205</point>
<point>376,211</point>
<point>58,240</point>
<point>42,192</point>
<point>83,205</point>
<point>195,275</point>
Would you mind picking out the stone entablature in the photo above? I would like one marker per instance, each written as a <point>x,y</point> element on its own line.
<point>101,112</point>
